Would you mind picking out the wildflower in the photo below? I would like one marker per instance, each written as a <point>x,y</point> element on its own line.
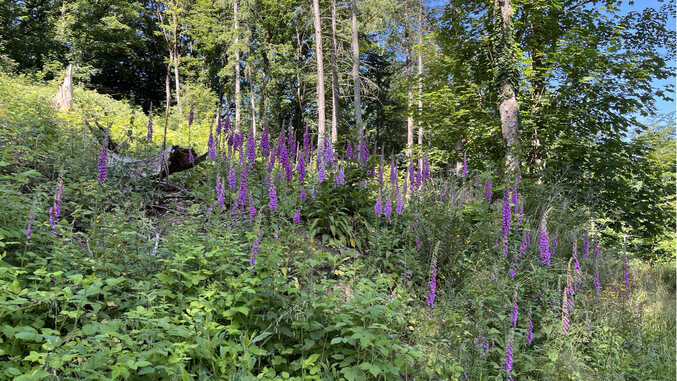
<point>341,176</point>
<point>465,165</point>
<point>349,150</point>
<point>252,209</point>
<point>218,123</point>
<point>388,207</point>
<point>191,158</point>
<point>530,331</point>
<point>149,135</point>
<point>231,178</point>
<point>487,188</point>
<point>577,266</point>
<point>544,246</point>
<point>251,148</point>
<point>272,204</point>
<point>508,359</point>
<point>320,171</point>
<point>265,143</point>
<point>412,175</point>
<point>513,271</point>
<point>513,317</point>
<point>255,251</point>
<point>297,217</point>
<point>242,200</point>
<point>102,162</point>
<point>506,215</point>
<point>596,281</point>
<point>226,124</point>
<point>419,178</point>
<point>520,216</point>
<point>425,173</point>
<point>515,197</point>
<point>399,205</point>
<point>210,145</point>
<point>306,145</point>
<point>302,196</point>
<point>433,284</point>
<point>393,172</point>
<point>524,244</point>
<point>301,168</point>
<point>220,195</point>
<point>378,207</point>
<point>28,227</point>
<point>418,243</point>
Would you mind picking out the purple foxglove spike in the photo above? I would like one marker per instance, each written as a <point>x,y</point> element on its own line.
<point>433,285</point>
<point>102,163</point>
<point>388,209</point>
<point>530,331</point>
<point>341,177</point>
<point>506,215</point>
<point>320,171</point>
<point>302,196</point>
<point>272,204</point>
<point>544,246</point>
<point>487,188</point>
<point>515,312</point>
<point>210,144</point>
<point>301,168</point>
<point>508,358</point>
<point>378,207</point>
<point>349,150</point>
<point>398,208</point>
<point>419,178</point>
<point>191,158</point>
<point>515,198</point>
<point>252,209</point>
<point>577,266</point>
<point>297,217</point>
<point>465,165</point>
<point>231,178</point>
<point>218,123</point>
<point>265,143</point>
<point>251,149</point>
<point>255,251</point>
<point>393,172</point>
<point>220,195</point>
<point>412,175</point>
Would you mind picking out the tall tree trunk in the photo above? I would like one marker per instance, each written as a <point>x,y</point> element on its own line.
<point>299,92</point>
<point>168,90</point>
<point>176,62</point>
<point>508,106</point>
<point>250,79</point>
<point>334,77</point>
<point>320,74</point>
<point>420,83</point>
<point>237,67</point>
<point>355,45</point>
<point>410,95</point>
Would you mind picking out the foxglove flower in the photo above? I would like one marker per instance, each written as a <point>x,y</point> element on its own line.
<point>577,266</point>
<point>301,168</point>
<point>218,123</point>
<point>419,178</point>
<point>191,158</point>
<point>252,209</point>
<point>393,172</point>
<point>506,215</point>
<point>544,246</point>
<point>418,243</point>
<point>251,149</point>
<point>302,196</point>
<point>596,281</point>
<point>231,178</point>
<point>102,162</point>
<point>349,150</point>
<point>210,145</point>
<point>433,284</point>
<point>508,359</point>
<point>220,195</point>
<point>530,331</point>
<point>378,207</point>
<point>190,116</point>
<point>465,165</point>
<point>398,207</point>
<point>149,134</point>
<point>265,143</point>
<point>297,217</point>
<point>255,251</point>
<point>515,198</point>
<point>272,204</point>
<point>28,227</point>
<point>513,317</point>
<point>487,188</point>
<point>242,200</point>
<point>388,209</point>
<point>226,125</point>
<point>341,176</point>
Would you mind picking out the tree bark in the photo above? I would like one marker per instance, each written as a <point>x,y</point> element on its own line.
<point>508,106</point>
<point>420,83</point>
<point>251,96</point>
<point>63,99</point>
<point>237,67</point>
<point>410,95</point>
<point>176,62</point>
<point>320,74</point>
<point>334,77</point>
<point>355,45</point>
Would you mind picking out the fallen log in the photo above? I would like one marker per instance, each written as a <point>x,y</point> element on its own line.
<point>173,159</point>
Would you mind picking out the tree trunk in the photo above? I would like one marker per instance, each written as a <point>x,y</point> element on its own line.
<point>410,117</point>
<point>251,96</point>
<point>299,91</point>
<point>320,74</point>
<point>176,63</point>
<point>63,99</point>
<point>334,77</point>
<point>508,106</point>
<point>420,83</point>
<point>237,67</point>
<point>356,70</point>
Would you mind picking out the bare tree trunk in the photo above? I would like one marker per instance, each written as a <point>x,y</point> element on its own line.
<point>320,74</point>
<point>63,99</point>
<point>237,67</point>
<point>251,96</point>
<point>299,91</point>
<point>407,49</point>
<point>168,91</point>
<point>176,63</point>
<point>356,70</point>
<point>508,107</point>
<point>334,77</point>
<point>420,83</point>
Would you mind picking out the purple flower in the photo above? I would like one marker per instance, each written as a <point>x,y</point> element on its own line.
<point>398,207</point>
<point>272,204</point>
<point>220,195</point>
<point>226,124</point>
<point>28,227</point>
<point>251,148</point>
<point>544,246</point>
<point>515,197</point>
<point>508,358</point>
<point>525,243</point>
<point>530,331</point>
<point>465,165</point>
<point>102,162</point>
<point>149,135</point>
<point>487,188</point>
<point>596,281</point>
<point>320,171</point>
<point>252,209</point>
<point>242,200</point>
<point>306,143</point>
<point>419,178</point>
<point>425,174</point>
<point>255,251</point>
<point>297,217</point>
<point>513,271</point>
<point>349,150</point>
<point>393,172</point>
<point>191,158</point>
<point>210,145</point>
<point>341,176</point>
<point>218,123</point>
<point>418,243</point>
<point>577,266</point>
<point>513,317</point>
<point>378,207</point>
<point>433,284</point>
<point>265,143</point>
<point>231,178</point>
<point>302,196</point>
<point>388,207</point>
<point>520,216</point>
<point>506,215</point>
